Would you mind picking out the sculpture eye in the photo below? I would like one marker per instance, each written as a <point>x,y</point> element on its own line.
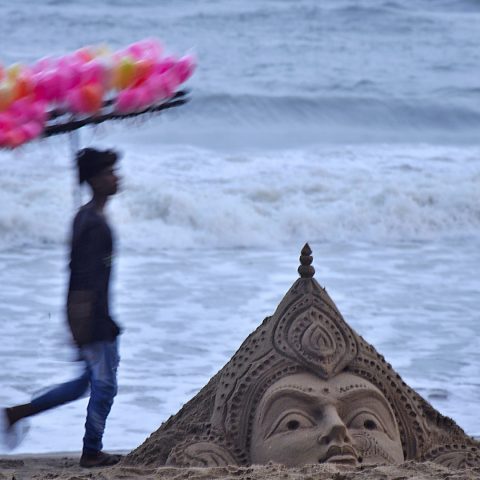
<point>292,421</point>
<point>293,424</point>
<point>369,424</point>
<point>367,421</point>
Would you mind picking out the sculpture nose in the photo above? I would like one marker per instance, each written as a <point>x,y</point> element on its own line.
<point>333,429</point>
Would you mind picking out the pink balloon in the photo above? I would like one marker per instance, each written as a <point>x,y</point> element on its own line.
<point>82,54</point>
<point>151,48</point>
<point>127,101</point>
<point>145,95</point>
<point>39,111</point>
<point>31,130</point>
<point>75,72</point>
<point>39,88</point>
<point>171,82</point>
<point>63,81</point>
<point>68,75</point>
<point>46,85</point>
<point>184,68</point>
<point>155,83</point>
<point>63,62</point>
<point>16,137</point>
<point>20,111</point>
<point>162,86</point>
<point>43,65</point>
<point>92,72</point>
<point>6,122</point>
<point>164,65</point>
<point>57,85</point>
<point>74,101</point>
<point>135,50</point>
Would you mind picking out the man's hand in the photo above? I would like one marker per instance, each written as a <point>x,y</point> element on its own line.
<point>80,315</point>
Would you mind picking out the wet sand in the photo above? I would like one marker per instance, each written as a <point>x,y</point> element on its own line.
<point>64,466</point>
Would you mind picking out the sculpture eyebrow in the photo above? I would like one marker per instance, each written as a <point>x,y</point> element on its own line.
<point>355,389</point>
<point>377,396</point>
<point>308,397</point>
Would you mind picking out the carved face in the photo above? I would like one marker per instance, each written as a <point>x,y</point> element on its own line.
<point>303,419</point>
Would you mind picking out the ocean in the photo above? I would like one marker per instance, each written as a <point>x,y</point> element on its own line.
<point>353,125</point>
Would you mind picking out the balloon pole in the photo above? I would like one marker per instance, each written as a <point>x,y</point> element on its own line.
<point>102,85</point>
<point>74,137</point>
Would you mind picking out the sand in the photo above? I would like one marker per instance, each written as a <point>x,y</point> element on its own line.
<point>65,467</point>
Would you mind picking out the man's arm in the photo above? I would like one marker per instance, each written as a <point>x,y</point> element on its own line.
<point>80,310</point>
<point>84,286</point>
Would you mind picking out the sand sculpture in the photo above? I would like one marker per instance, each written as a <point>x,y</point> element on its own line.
<point>306,388</point>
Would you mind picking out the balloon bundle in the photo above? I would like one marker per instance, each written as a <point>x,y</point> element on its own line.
<point>91,85</point>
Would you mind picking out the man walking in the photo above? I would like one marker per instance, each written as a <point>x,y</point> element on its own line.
<point>93,330</point>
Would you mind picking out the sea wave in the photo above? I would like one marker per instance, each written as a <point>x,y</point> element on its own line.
<point>408,113</point>
<point>193,197</point>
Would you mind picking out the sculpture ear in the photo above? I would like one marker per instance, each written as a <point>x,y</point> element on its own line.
<point>456,456</point>
<point>200,454</point>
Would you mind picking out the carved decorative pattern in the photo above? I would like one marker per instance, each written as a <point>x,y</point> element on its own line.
<point>309,335</point>
<point>202,452</point>
<point>454,456</point>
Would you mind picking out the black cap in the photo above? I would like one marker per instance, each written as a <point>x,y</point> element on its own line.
<point>91,161</point>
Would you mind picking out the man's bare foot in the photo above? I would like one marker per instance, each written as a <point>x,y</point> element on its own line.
<point>12,431</point>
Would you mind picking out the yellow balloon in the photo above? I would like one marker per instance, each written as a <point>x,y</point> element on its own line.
<point>103,51</point>
<point>109,72</point>
<point>23,87</point>
<point>125,73</point>
<point>6,96</point>
<point>13,71</point>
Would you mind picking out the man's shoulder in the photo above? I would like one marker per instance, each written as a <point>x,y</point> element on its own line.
<point>86,218</point>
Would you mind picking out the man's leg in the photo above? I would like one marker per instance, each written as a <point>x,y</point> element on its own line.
<point>102,360</point>
<point>54,397</point>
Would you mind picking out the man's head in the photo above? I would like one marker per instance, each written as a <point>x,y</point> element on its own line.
<point>97,168</point>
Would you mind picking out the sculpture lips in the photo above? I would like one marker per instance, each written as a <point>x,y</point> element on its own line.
<point>343,459</point>
<point>336,454</point>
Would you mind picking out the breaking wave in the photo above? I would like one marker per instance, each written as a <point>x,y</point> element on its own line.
<point>192,197</point>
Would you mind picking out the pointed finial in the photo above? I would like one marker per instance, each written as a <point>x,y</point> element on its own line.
<point>305,269</point>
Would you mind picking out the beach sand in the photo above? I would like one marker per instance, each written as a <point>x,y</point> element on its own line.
<point>64,466</point>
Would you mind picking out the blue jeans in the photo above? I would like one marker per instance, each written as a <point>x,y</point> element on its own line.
<point>101,364</point>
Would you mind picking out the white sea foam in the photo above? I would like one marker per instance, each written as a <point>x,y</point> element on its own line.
<point>190,196</point>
